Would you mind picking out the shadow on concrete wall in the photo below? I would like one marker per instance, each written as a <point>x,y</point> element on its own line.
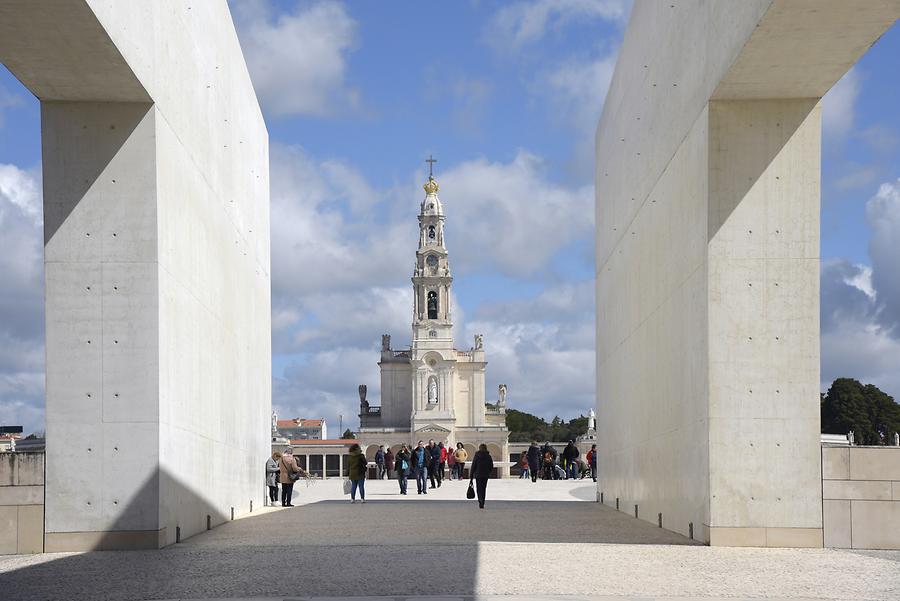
<point>79,140</point>
<point>414,546</point>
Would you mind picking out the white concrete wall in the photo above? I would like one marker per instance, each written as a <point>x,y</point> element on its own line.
<point>707,262</point>
<point>171,183</point>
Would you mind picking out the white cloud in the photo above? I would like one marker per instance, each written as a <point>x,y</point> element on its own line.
<point>839,106</point>
<point>298,60</point>
<point>21,299</point>
<point>523,23</point>
<point>854,344</point>
<point>509,217</point>
<point>343,252</point>
<point>883,216</point>
<point>860,311</point>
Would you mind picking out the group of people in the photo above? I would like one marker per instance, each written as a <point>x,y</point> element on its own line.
<point>426,463</point>
<point>438,459</point>
<point>546,463</point>
<point>283,469</point>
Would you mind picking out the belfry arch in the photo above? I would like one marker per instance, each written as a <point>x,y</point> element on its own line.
<point>707,216</point>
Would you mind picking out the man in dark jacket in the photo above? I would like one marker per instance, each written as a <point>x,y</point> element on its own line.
<point>570,456</point>
<point>534,460</point>
<point>420,460</point>
<point>481,470</point>
<point>379,462</point>
<point>401,467</point>
<point>434,466</point>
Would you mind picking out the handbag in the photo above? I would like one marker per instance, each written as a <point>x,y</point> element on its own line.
<point>292,476</point>
<point>470,493</point>
<point>347,486</point>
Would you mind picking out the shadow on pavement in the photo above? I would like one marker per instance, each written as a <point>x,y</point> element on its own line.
<point>332,548</point>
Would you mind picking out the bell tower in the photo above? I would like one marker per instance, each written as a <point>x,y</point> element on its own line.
<point>432,325</point>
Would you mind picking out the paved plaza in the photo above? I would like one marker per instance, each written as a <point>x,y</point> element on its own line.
<point>557,543</point>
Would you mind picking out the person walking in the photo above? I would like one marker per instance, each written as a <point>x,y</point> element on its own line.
<point>534,459</point>
<point>357,466</point>
<point>451,465</point>
<point>379,462</point>
<point>592,461</point>
<point>401,467</point>
<point>420,459</point>
<point>570,463</point>
<point>389,463</point>
<point>523,465</point>
<point>289,471</point>
<point>272,471</point>
<point>461,456</point>
<point>481,470</point>
<point>442,462</point>
<point>436,475</point>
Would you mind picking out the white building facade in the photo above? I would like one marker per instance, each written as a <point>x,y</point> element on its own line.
<point>432,390</point>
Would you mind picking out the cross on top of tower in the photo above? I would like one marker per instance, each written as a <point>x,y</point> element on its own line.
<point>431,161</point>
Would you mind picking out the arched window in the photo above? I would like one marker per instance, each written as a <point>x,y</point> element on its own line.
<point>432,305</point>
<point>431,232</point>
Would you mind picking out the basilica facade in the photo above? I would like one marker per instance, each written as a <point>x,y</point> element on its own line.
<point>431,390</point>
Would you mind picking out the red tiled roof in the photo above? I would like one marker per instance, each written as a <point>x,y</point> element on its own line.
<point>10,436</point>
<point>300,423</point>
<point>333,442</point>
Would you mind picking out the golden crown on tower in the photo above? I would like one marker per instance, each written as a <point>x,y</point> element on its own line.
<point>431,186</point>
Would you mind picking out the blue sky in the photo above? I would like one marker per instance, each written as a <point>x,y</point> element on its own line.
<point>506,95</point>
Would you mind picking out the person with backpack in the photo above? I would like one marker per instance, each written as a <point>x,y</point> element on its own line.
<point>533,455</point>
<point>421,457</point>
<point>379,462</point>
<point>289,472</point>
<point>402,466</point>
<point>482,467</point>
<point>523,466</point>
<point>357,466</point>
<point>549,455</point>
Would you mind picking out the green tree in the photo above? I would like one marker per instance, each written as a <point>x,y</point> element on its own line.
<point>525,427</point>
<point>347,435</point>
<point>869,412</point>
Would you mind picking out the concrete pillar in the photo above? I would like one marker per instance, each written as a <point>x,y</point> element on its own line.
<point>763,322</point>
<point>157,266</point>
<point>102,323</point>
<point>707,189</point>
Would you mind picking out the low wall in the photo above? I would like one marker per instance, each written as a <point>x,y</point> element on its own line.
<point>21,503</point>
<point>861,497</point>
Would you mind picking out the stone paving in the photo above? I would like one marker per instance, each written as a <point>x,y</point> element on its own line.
<point>442,547</point>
